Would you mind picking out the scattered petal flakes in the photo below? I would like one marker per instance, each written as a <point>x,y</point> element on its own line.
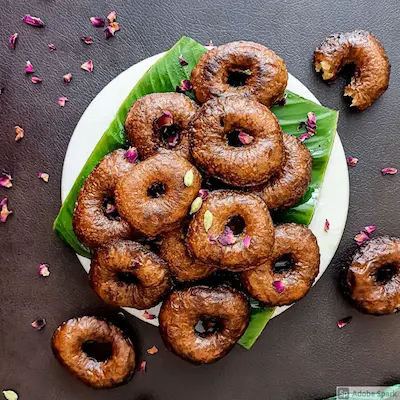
<point>19,133</point>
<point>208,220</point>
<point>38,324</point>
<point>147,315</point>
<point>204,193</point>
<point>196,205</point>
<point>115,26</point>
<point>52,47</point>
<point>87,66</point>
<point>327,226</point>
<point>29,68</point>
<point>246,242</point>
<point>143,366</point>
<point>67,78</point>
<point>5,180</point>
<point>34,21</point>
<point>389,171</point>
<point>343,322</point>
<point>152,350</point>
<point>131,154</point>
<point>5,212</point>
<point>44,270</point>
<point>12,40</point>
<point>111,17</point>
<point>87,39</point>
<point>310,124</point>
<point>97,22</point>
<point>109,32</point>
<point>35,79</point>
<point>352,161</point>
<point>281,102</point>
<point>304,136</point>
<point>279,286</point>
<point>370,228</point>
<point>44,176</point>
<point>10,395</point>
<point>361,238</point>
<point>245,138</point>
<point>164,121</point>
<point>185,86</point>
<point>188,179</point>
<point>110,208</point>
<point>227,238</point>
<point>62,100</point>
<point>182,61</point>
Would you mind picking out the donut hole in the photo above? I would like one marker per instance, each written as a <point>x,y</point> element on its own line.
<point>109,208</point>
<point>128,278</point>
<point>99,351</point>
<point>236,224</point>
<point>206,326</point>
<point>232,138</point>
<point>283,264</point>
<point>170,135</point>
<point>385,273</point>
<point>156,189</point>
<point>238,77</point>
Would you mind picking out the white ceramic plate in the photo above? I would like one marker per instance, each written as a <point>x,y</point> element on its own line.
<point>332,204</point>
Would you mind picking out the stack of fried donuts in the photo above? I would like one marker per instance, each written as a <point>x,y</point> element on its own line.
<point>210,171</point>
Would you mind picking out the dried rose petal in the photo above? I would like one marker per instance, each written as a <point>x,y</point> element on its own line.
<point>112,16</point>
<point>245,138</point>
<point>115,26</point>
<point>19,133</point>
<point>5,212</point>
<point>39,324</point>
<point>12,40</point>
<point>143,366</point>
<point>304,136</point>
<point>281,102</point>
<point>208,220</point>
<point>35,79</point>
<point>196,205</point>
<point>152,350</point>
<point>87,66</point>
<point>389,171</point>
<point>109,31</point>
<point>188,179</point>
<point>147,315</point>
<point>327,225</point>
<point>131,154</point>
<point>29,68</point>
<point>43,176</point>
<point>44,270</point>
<point>52,47</point>
<point>5,180</point>
<point>227,238</point>
<point>34,21</point>
<point>87,39</point>
<point>352,161</point>
<point>110,208</point>
<point>370,228</point>
<point>310,125</point>
<point>164,121</point>
<point>62,100</point>
<point>204,193</point>
<point>182,61</point>
<point>173,140</point>
<point>213,239</point>
<point>311,120</point>
<point>209,44</point>
<point>279,286</point>
<point>10,395</point>
<point>185,86</point>
<point>67,78</point>
<point>361,238</point>
<point>246,242</point>
<point>97,22</point>
<point>343,322</point>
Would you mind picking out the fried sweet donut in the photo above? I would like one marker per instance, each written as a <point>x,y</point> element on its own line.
<point>92,222</point>
<point>241,234</point>
<point>225,309</point>
<point>158,122</point>
<point>182,266</point>
<point>372,67</point>
<point>154,198</point>
<point>240,68</point>
<point>74,345</point>
<point>288,275</point>
<point>126,274</point>
<point>373,278</point>
<point>291,183</point>
<point>237,140</point>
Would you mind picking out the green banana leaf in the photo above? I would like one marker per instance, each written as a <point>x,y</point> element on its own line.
<point>164,76</point>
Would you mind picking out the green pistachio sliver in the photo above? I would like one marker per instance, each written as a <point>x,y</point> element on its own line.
<point>208,220</point>
<point>196,205</point>
<point>188,178</point>
<point>10,395</point>
<point>247,72</point>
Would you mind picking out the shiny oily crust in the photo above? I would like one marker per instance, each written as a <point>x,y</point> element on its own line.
<point>298,242</point>
<point>67,344</point>
<point>248,165</point>
<point>372,67</point>
<point>91,225</point>
<point>267,74</point>
<point>289,185</point>
<point>153,216</point>
<point>223,205</point>
<point>182,310</point>
<point>368,294</point>
<point>139,124</point>
<point>123,256</point>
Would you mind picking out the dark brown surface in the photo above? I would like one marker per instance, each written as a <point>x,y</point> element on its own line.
<point>301,354</point>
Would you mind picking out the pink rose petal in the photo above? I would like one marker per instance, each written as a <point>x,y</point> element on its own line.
<point>246,242</point>
<point>389,171</point>
<point>279,286</point>
<point>12,40</point>
<point>29,68</point>
<point>110,209</point>
<point>185,86</point>
<point>327,226</point>
<point>109,32</point>
<point>112,17</point>
<point>343,322</point>
<point>131,154</point>
<point>43,270</point>
<point>19,133</point>
<point>182,61</point>
<point>361,238</point>
<point>34,21</point>
<point>143,366</point>
<point>5,212</point>
<point>115,26</point>
<point>173,140</point>
<point>39,324</point>
<point>245,138</point>
<point>35,79</point>
<point>97,22</point>
<point>147,315</point>
<point>304,136</point>
<point>87,66</point>
<point>352,161</point>
<point>310,125</point>
<point>52,47</point>
<point>213,239</point>
<point>43,176</point>
<point>5,180</point>
<point>164,121</point>
<point>370,228</point>
<point>203,193</point>
<point>62,100</point>
<point>209,45</point>
<point>227,238</point>
<point>87,39</point>
<point>67,78</point>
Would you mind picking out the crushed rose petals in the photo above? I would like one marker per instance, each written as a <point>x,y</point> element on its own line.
<point>87,39</point>
<point>196,205</point>
<point>39,324</point>
<point>97,22</point>
<point>164,121</point>
<point>115,26</point>
<point>131,154</point>
<point>34,21</point>
<point>185,86</point>
<point>361,238</point>
<point>62,100</point>
<point>44,176</point>
<point>110,208</point>
<point>227,238</point>
<point>188,179</point>
<point>352,161</point>
<point>152,350</point>
<point>44,270</point>
<point>208,220</point>
<point>12,40</point>
<point>67,78</point>
<point>245,138</point>
<point>5,180</point>
<point>182,61</point>
<point>327,226</point>
<point>310,124</point>
<point>5,212</point>
<point>173,140</point>
<point>143,366</point>
<point>29,68</point>
<point>52,47</point>
<point>246,242</point>
<point>35,79</point>
<point>111,17</point>
<point>304,136</point>
<point>147,315</point>
<point>109,32</point>
<point>279,286</point>
<point>343,322</point>
<point>87,66</point>
<point>370,228</point>
<point>10,395</point>
<point>389,171</point>
<point>282,101</point>
<point>19,133</point>
<point>203,193</point>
